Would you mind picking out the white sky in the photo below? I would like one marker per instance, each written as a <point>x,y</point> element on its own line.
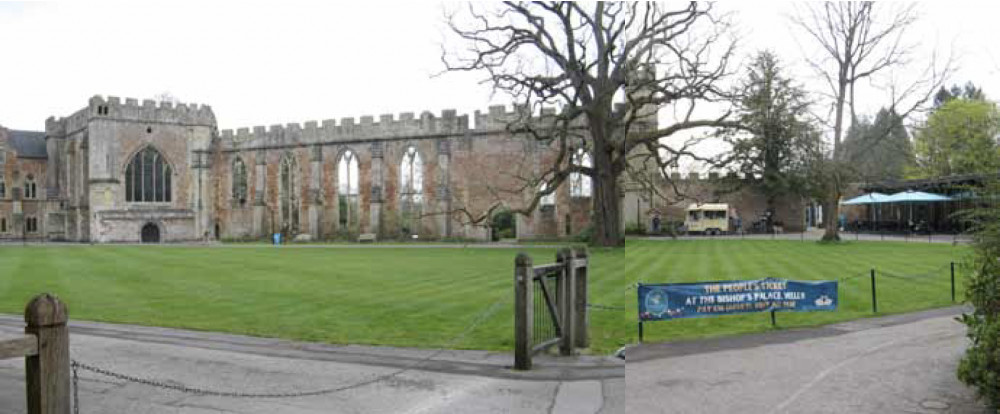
<point>263,63</point>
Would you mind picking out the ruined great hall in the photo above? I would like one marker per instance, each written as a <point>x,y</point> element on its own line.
<point>129,171</point>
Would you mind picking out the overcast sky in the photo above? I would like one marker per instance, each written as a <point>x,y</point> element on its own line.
<point>276,62</point>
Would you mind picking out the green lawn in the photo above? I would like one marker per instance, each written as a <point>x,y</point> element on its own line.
<point>425,297</point>
<point>394,296</point>
<point>910,276</point>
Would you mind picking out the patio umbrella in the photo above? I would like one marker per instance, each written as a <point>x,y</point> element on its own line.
<point>915,197</point>
<point>909,197</point>
<point>870,198</point>
<point>866,199</point>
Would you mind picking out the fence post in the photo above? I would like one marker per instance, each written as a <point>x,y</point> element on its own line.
<point>582,320</point>
<point>874,296</point>
<point>567,301</point>
<point>47,373</point>
<point>523,311</point>
<point>953,282</point>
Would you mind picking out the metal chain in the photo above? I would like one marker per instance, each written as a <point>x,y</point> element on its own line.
<point>853,277</point>
<point>605,307</point>
<point>76,388</point>
<point>171,385</point>
<point>918,276</point>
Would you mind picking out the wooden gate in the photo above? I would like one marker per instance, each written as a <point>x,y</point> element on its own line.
<point>550,305</point>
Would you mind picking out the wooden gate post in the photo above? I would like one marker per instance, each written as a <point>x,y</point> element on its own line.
<point>567,301</point>
<point>581,322</point>
<point>524,274</point>
<point>47,373</point>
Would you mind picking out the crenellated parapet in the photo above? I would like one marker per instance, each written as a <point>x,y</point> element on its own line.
<point>151,111</point>
<point>366,128</point>
<point>406,125</point>
<point>113,108</point>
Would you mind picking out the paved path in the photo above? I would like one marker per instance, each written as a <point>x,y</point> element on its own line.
<point>451,382</point>
<point>900,364</point>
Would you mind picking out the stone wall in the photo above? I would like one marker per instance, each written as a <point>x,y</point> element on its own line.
<point>749,203</point>
<point>465,171</point>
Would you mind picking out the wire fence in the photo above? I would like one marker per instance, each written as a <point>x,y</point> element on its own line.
<point>174,385</point>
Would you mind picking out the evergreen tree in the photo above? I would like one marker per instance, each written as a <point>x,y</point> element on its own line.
<point>880,149</point>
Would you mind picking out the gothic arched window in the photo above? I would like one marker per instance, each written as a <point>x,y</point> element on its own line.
<point>147,178</point>
<point>3,186</point>
<point>30,188</point>
<point>288,195</point>
<point>239,182</point>
<point>579,183</point>
<point>347,188</point>
<point>411,189</point>
<point>547,200</point>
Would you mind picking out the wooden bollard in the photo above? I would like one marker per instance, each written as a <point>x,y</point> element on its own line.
<point>581,321</point>
<point>567,301</point>
<point>47,373</point>
<point>523,311</point>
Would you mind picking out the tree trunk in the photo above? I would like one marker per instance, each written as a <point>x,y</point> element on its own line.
<point>831,213</point>
<point>607,213</point>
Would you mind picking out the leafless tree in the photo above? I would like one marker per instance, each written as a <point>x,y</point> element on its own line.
<point>859,41</point>
<point>166,96</point>
<point>605,68</point>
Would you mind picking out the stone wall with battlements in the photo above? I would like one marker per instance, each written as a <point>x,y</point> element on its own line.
<point>466,168</point>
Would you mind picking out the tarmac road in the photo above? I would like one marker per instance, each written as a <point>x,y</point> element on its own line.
<point>899,364</point>
<point>451,382</point>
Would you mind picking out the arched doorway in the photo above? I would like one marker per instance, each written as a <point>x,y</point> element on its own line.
<point>150,233</point>
<point>504,225</point>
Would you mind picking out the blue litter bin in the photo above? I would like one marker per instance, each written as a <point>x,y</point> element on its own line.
<point>277,239</point>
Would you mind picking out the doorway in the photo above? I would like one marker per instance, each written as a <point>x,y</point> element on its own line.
<point>150,233</point>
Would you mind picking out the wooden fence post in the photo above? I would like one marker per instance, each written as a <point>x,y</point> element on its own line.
<point>567,301</point>
<point>523,311</point>
<point>581,323</point>
<point>47,373</point>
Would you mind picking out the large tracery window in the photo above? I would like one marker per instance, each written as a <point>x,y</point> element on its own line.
<point>289,197</point>
<point>239,182</point>
<point>3,186</point>
<point>347,188</point>
<point>579,183</point>
<point>147,178</point>
<point>411,190</point>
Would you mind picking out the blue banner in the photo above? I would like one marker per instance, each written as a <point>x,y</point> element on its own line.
<point>692,300</point>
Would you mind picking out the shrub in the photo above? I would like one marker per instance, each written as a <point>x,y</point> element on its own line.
<point>633,228</point>
<point>980,366</point>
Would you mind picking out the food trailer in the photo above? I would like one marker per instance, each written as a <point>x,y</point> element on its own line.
<point>710,219</point>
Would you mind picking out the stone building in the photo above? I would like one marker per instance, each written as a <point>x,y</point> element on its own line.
<point>748,203</point>
<point>125,171</point>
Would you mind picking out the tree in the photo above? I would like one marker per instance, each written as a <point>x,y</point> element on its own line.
<point>880,149</point>
<point>969,91</point>
<point>583,59</point>
<point>782,144</point>
<point>166,96</point>
<point>959,138</point>
<point>858,41</point>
